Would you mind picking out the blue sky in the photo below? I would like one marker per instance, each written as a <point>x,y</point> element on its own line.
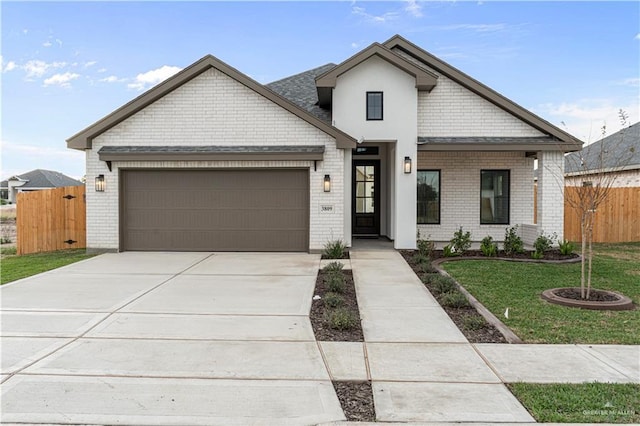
<point>66,65</point>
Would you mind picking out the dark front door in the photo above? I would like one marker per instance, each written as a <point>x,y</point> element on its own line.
<point>366,197</point>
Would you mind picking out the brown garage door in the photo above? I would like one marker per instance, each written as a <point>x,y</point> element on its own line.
<point>221,210</point>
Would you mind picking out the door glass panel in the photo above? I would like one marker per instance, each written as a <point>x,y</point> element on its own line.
<point>360,205</point>
<point>369,205</point>
<point>369,188</point>
<point>360,189</point>
<point>360,173</point>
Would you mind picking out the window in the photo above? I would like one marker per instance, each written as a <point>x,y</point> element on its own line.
<point>429,196</point>
<point>374,105</point>
<point>494,197</point>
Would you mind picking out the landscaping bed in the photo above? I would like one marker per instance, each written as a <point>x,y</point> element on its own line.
<point>321,312</point>
<point>356,399</point>
<point>473,325</point>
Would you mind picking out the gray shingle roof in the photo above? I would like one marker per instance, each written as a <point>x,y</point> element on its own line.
<point>40,178</point>
<point>617,150</point>
<point>301,90</point>
<point>484,140</point>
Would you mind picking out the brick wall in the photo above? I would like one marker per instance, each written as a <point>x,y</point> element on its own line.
<point>550,209</point>
<point>460,191</point>
<point>214,109</point>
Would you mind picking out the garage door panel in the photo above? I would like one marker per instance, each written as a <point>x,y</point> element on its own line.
<point>221,210</point>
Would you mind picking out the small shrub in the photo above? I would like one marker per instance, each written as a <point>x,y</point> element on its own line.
<point>428,278</point>
<point>566,247</point>
<point>512,242</point>
<point>341,319</point>
<point>461,241</point>
<point>5,240</point>
<point>543,243</point>
<point>473,322</point>
<point>419,258</point>
<point>489,247</point>
<point>333,267</point>
<point>333,300</point>
<point>447,251</point>
<point>334,249</point>
<point>537,255</point>
<point>442,284</point>
<point>425,246</point>
<point>454,299</point>
<point>335,282</point>
<point>427,268</point>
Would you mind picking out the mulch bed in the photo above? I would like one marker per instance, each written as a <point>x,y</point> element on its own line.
<point>460,316</point>
<point>548,255</point>
<point>345,255</point>
<point>594,295</point>
<point>356,399</point>
<point>318,317</point>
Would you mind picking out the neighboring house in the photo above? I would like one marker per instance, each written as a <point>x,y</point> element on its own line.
<point>617,154</point>
<point>391,141</point>
<point>34,180</point>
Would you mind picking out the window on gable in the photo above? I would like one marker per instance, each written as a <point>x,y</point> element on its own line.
<point>374,105</point>
<point>428,196</point>
<point>494,197</point>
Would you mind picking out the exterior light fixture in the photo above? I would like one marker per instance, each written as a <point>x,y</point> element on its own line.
<point>407,165</point>
<point>327,183</point>
<point>100,185</point>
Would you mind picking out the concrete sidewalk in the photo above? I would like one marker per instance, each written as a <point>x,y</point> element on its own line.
<point>424,370</point>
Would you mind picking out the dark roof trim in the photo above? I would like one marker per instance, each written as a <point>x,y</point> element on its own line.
<point>83,139</point>
<point>487,93</point>
<point>495,144</point>
<point>425,80</point>
<point>212,153</point>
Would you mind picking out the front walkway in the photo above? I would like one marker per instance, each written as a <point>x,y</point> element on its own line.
<point>424,370</point>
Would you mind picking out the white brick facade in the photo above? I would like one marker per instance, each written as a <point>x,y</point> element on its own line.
<point>214,109</point>
<point>551,193</point>
<point>460,191</point>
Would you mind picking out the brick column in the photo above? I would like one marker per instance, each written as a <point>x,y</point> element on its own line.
<point>551,193</point>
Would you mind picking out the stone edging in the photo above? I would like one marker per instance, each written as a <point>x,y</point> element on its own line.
<point>509,335</point>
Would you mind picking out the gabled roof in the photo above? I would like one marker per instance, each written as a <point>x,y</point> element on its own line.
<point>425,80</point>
<point>619,151</point>
<point>40,178</point>
<point>83,139</point>
<point>301,90</point>
<point>569,142</point>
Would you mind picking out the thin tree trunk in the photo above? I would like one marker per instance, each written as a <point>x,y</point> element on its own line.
<point>590,234</point>
<point>583,232</point>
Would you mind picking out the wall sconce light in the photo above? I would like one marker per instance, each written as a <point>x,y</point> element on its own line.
<point>407,165</point>
<point>100,185</point>
<point>327,183</point>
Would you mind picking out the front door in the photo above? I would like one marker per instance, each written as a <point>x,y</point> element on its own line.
<point>366,197</point>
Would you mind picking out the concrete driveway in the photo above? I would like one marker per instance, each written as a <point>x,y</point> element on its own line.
<point>166,338</point>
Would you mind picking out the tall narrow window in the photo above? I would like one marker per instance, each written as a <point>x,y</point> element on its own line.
<point>374,105</point>
<point>494,197</point>
<point>428,196</point>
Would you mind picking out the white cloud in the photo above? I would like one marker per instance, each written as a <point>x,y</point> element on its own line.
<point>9,66</point>
<point>153,77</point>
<point>37,68</point>
<point>354,45</point>
<point>584,118</point>
<point>413,8</point>
<point>374,19</point>
<point>101,70</point>
<point>23,157</point>
<point>480,28</point>
<point>47,44</point>
<point>633,82</point>
<point>112,79</point>
<point>62,80</point>
<point>637,37</point>
<point>90,64</point>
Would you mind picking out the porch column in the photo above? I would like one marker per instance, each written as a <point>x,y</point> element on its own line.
<point>550,217</point>
<point>405,198</point>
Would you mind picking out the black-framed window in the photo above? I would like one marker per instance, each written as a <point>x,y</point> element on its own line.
<point>494,197</point>
<point>428,197</point>
<point>374,105</point>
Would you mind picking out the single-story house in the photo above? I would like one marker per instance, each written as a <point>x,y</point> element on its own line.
<point>390,142</point>
<point>35,180</point>
<point>616,155</point>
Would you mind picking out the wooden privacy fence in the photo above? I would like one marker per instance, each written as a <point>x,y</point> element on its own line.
<point>51,219</point>
<point>617,219</point>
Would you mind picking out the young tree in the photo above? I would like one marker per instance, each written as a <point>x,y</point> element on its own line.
<point>592,173</point>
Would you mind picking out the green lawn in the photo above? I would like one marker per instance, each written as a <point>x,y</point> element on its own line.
<point>499,285</point>
<point>15,267</point>
<point>580,403</point>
